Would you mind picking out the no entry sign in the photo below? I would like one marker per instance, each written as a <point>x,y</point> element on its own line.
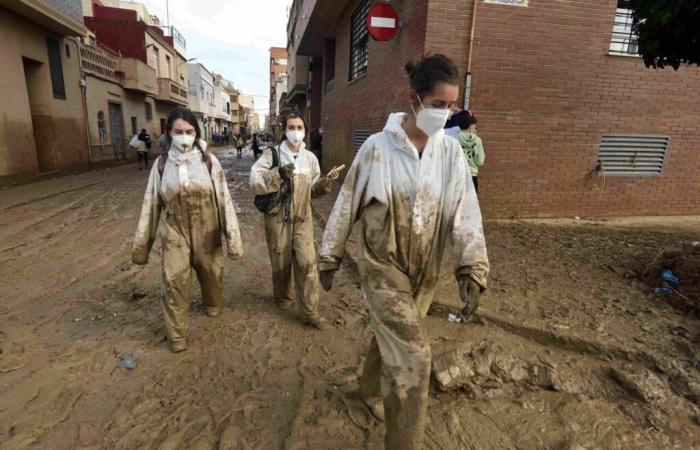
<point>382,22</point>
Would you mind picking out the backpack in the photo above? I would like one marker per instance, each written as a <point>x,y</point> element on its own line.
<point>266,203</point>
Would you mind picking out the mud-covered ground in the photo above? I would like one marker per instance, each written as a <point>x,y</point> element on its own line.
<point>570,350</point>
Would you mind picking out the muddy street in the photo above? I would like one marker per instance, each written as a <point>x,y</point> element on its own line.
<point>570,348</point>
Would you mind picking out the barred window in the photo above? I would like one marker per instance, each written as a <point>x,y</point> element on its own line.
<point>624,41</point>
<point>149,111</point>
<point>359,40</point>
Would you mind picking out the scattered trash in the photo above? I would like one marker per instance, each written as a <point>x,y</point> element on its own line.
<point>577,218</point>
<point>128,362</point>
<point>695,243</point>
<point>454,318</point>
<point>137,295</point>
<point>94,318</point>
<point>77,319</point>
<point>663,291</point>
<point>669,276</point>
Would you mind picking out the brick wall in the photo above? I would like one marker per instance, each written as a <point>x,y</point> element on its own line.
<point>544,90</point>
<point>365,103</point>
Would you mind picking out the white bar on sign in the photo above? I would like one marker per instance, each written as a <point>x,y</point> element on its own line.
<point>383,22</point>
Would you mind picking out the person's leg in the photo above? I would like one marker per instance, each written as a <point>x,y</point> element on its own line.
<point>209,261</point>
<point>145,160</point>
<point>370,387</point>
<point>305,272</point>
<point>405,362</point>
<point>176,286</point>
<point>278,235</point>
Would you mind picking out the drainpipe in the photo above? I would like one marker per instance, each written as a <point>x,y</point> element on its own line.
<point>468,78</point>
<point>83,90</point>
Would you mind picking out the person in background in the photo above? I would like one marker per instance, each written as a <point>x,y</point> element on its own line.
<point>143,149</point>
<point>407,190</point>
<point>255,146</point>
<point>187,189</point>
<point>472,147</point>
<point>289,229</point>
<point>452,126</point>
<point>240,143</point>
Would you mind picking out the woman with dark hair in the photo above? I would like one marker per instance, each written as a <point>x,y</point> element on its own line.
<point>407,188</point>
<point>473,148</point>
<point>187,187</point>
<point>289,228</point>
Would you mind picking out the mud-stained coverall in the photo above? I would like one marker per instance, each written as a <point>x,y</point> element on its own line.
<point>197,209</point>
<point>409,207</point>
<point>291,242</point>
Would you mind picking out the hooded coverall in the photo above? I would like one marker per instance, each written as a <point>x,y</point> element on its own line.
<point>197,209</point>
<point>291,241</point>
<point>409,206</point>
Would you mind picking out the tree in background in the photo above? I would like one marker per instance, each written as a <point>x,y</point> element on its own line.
<point>668,30</point>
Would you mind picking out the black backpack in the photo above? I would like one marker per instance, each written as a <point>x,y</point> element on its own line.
<point>266,203</point>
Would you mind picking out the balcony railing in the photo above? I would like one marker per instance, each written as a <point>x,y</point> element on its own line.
<point>137,76</point>
<point>171,92</point>
<point>99,63</point>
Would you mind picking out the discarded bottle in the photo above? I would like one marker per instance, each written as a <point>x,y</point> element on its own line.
<point>128,362</point>
<point>669,276</point>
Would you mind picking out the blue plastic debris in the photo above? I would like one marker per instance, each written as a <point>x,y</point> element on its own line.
<point>128,362</point>
<point>669,276</point>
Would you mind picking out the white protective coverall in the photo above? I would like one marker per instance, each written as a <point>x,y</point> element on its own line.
<point>291,242</point>
<point>410,206</point>
<point>197,210</point>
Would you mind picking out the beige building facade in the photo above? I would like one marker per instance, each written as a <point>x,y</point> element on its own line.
<point>42,126</point>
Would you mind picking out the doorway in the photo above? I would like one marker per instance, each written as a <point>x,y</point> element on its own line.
<point>116,123</point>
<point>32,79</point>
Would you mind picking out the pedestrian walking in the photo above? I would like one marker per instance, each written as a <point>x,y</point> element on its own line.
<point>255,146</point>
<point>240,143</point>
<point>187,187</point>
<point>142,151</point>
<point>407,189</point>
<point>289,228</point>
<point>472,147</point>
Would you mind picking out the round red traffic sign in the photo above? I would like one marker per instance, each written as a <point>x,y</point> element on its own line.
<point>382,22</point>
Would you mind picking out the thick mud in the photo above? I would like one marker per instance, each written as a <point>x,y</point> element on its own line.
<point>569,350</point>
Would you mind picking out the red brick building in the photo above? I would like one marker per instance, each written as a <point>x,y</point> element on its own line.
<point>556,88</point>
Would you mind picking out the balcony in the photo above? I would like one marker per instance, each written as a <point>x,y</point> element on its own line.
<point>171,92</point>
<point>54,17</point>
<point>137,76</point>
<point>99,63</point>
<point>315,20</point>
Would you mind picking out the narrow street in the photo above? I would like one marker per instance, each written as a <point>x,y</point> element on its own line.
<point>565,353</point>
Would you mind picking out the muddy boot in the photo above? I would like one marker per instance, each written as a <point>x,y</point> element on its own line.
<point>285,305</point>
<point>317,322</point>
<point>179,346</point>
<point>213,311</point>
<point>376,407</point>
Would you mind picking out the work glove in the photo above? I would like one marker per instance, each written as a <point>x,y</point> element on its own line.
<point>286,171</point>
<point>470,292</point>
<point>326,277</point>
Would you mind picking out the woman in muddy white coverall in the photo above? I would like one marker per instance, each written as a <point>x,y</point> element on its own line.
<point>289,229</point>
<point>408,187</point>
<point>187,187</point>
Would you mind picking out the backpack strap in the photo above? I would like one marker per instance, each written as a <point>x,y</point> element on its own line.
<point>275,157</point>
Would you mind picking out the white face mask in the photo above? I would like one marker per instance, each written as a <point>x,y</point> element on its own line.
<point>183,142</point>
<point>430,120</point>
<point>295,137</point>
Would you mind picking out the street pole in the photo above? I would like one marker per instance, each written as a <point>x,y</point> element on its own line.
<point>167,11</point>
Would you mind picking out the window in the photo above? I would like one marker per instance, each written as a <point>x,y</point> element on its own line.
<point>168,64</point>
<point>134,126</point>
<point>67,51</point>
<point>101,128</point>
<point>149,111</point>
<point>93,42</point>
<point>228,108</point>
<point>624,41</point>
<point>56,69</point>
<point>359,40</point>
<point>632,155</point>
<point>201,92</point>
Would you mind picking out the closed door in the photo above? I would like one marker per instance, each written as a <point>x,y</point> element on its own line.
<point>116,126</point>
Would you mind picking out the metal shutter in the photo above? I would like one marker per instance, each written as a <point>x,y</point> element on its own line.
<point>632,155</point>
<point>358,138</point>
<point>56,69</point>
